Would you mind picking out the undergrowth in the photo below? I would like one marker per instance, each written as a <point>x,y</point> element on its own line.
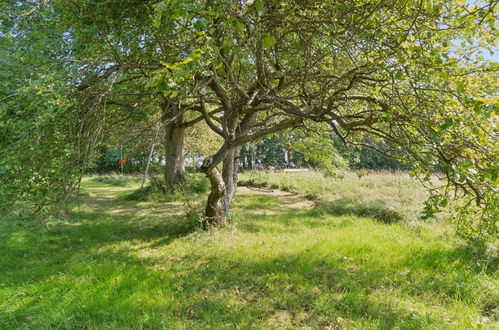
<point>117,179</point>
<point>157,190</point>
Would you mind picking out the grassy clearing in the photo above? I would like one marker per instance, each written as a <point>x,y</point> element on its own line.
<point>116,263</point>
<point>117,179</point>
<point>390,196</point>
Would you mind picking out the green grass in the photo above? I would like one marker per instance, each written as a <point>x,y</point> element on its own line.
<point>157,190</point>
<point>117,180</point>
<point>115,263</point>
<point>390,192</point>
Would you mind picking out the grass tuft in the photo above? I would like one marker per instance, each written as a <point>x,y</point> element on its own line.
<point>347,206</point>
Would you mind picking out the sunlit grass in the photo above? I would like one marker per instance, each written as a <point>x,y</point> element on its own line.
<point>395,192</point>
<point>113,263</point>
<point>115,179</point>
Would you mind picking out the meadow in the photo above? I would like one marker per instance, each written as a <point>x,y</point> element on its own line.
<point>300,251</point>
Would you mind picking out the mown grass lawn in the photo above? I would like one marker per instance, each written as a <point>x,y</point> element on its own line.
<point>116,263</point>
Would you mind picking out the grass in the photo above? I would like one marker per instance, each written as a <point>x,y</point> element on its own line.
<point>394,193</point>
<point>117,263</point>
<point>117,179</point>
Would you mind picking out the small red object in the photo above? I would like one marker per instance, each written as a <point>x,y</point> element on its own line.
<point>121,161</point>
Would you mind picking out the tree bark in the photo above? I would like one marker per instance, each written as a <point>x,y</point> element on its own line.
<point>215,215</point>
<point>223,189</point>
<point>173,141</point>
<point>230,171</point>
<point>174,153</point>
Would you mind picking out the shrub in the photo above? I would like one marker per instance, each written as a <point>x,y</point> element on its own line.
<point>158,190</point>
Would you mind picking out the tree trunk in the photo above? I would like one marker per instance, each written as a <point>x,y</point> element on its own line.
<point>223,189</point>
<point>174,148</point>
<point>215,215</point>
<point>230,171</point>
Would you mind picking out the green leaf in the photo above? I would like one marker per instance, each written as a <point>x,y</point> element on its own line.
<point>157,20</point>
<point>460,86</point>
<point>444,75</point>
<point>259,6</point>
<point>269,41</point>
<point>492,22</point>
<point>447,123</point>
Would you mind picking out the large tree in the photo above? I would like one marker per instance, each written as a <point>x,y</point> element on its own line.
<point>403,71</point>
<point>406,72</point>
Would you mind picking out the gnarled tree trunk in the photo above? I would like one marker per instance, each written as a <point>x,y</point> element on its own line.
<point>215,215</point>
<point>223,189</point>
<point>230,171</point>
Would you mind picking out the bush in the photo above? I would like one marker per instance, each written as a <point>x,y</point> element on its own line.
<point>158,190</point>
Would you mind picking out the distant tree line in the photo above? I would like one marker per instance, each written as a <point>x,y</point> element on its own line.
<point>271,152</point>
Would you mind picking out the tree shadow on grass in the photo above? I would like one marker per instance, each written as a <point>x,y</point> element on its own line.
<point>305,290</point>
<point>287,291</point>
<point>35,251</point>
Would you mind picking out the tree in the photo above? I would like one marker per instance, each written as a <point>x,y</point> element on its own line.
<point>381,69</point>
<point>36,113</point>
<point>403,72</point>
<point>123,57</point>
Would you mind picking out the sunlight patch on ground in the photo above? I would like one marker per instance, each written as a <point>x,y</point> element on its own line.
<point>286,200</point>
